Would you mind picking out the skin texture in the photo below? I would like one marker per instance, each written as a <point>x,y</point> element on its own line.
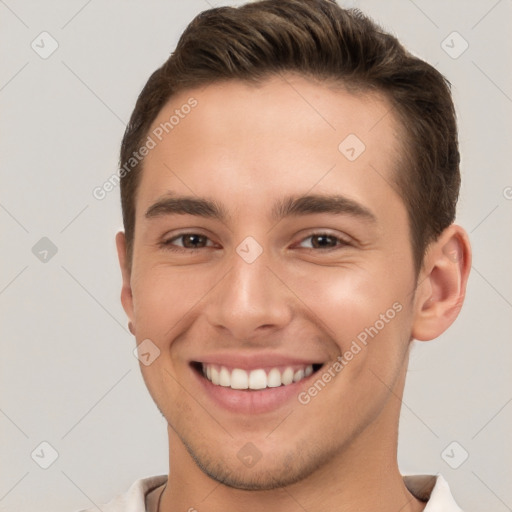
<point>246,146</point>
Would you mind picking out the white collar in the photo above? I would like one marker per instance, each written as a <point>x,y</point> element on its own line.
<point>434,489</point>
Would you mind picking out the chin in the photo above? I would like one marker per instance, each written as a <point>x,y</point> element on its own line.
<point>277,471</point>
<point>250,480</point>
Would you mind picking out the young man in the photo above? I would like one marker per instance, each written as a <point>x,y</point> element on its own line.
<point>289,179</point>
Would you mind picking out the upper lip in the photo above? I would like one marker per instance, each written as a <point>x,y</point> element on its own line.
<point>254,361</point>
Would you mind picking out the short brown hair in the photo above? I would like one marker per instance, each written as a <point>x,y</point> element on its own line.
<point>317,39</point>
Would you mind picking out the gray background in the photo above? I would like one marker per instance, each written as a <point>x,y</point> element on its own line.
<point>68,376</point>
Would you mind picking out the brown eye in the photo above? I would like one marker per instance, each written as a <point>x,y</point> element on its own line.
<point>193,241</point>
<point>323,241</point>
<point>186,242</point>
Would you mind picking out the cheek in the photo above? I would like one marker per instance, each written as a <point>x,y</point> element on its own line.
<point>164,299</point>
<point>368,316</point>
<point>369,319</point>
<point>347,300</point>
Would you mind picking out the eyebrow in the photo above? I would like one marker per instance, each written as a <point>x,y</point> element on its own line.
<point>285,207</point>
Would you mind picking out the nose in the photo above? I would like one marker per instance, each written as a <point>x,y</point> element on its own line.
<point>252,299</point>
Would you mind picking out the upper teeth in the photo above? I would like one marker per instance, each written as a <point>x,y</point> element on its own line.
<point>255,379</point>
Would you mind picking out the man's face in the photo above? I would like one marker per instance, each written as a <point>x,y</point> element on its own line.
<point>266,287</point>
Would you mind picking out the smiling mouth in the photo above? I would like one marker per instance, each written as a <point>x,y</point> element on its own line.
<point>254,380</point>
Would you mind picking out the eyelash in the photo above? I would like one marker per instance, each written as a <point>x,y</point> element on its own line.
<point>167,244</point>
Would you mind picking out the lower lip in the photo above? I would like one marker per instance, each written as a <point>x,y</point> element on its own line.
<point>252,401</point>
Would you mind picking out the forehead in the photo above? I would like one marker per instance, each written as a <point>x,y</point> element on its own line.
<point>242,141</point>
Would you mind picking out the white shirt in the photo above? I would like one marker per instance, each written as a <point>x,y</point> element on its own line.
<point>143,495</point>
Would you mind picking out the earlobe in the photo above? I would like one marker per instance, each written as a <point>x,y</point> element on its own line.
<point>442,283</point>
<point>126,290</point>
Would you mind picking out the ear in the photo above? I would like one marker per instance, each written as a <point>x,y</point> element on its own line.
<point>441,283</point>
<point>126,290</point>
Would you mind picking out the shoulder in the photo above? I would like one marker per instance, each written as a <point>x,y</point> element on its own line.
<point>134,499</point>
